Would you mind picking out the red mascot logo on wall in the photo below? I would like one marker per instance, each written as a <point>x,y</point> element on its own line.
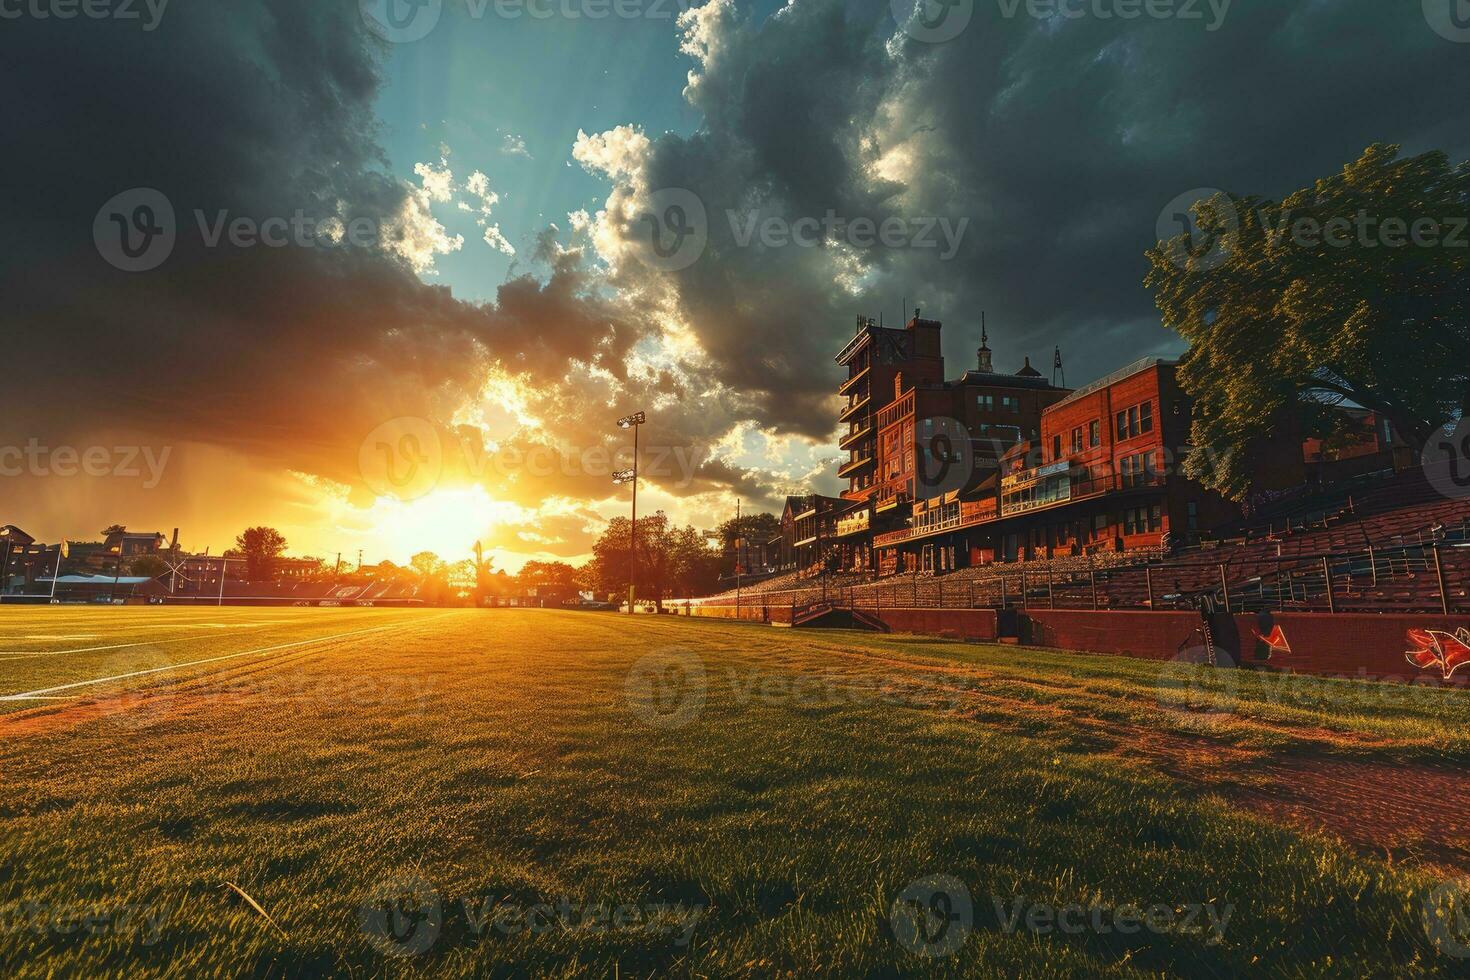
<point>1274,642</point>
<point>1433,648</point>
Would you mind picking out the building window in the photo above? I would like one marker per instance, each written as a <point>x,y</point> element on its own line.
<point>1094,433</point>
<point>1135,471</point>
<point>1077,440</point>
<point>1142,520</point>
<point>1136,421</point>
<point>1100,524</point>
<point>986,403</point>
<point>1056,447</point>
<point>1009,403</point>
<point>1193,516</point>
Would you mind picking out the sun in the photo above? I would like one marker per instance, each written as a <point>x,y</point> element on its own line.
<point>447,522</point>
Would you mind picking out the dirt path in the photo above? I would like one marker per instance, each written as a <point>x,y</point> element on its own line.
<point>1407,812</point>
<point>1401,811</point>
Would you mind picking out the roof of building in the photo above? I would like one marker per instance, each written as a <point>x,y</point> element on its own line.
<point>981,379</point>
<point>1122,374</point>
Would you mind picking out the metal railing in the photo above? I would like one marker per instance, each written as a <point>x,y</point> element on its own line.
<point>1432,577</point>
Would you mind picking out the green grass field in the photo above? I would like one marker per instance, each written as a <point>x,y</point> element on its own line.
<point>511,793</point>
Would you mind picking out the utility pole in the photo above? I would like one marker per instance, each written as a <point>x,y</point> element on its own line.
<point>738,541</point>
<point>631,476</point>
<point>479,575</point>
<point>633,532</point>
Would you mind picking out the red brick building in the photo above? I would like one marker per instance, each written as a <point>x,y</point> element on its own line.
<point>912,435</point>
<point>1105,476</point>
<point>1101,475</point>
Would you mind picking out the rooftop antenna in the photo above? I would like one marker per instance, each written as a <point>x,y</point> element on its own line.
<point>1057,370</point>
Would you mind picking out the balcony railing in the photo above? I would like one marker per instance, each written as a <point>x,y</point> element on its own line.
<point>854,405</point>
<point>856,524</point>
<point>1082,486</point>
<point>972,513</point>
<point>851,382</point>
<point>892,413</point>
<point>864,332</point>
<point>856,435</point>
<point>890,494</point>
<point>855,465</point>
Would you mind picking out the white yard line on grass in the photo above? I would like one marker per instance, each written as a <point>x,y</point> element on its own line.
<point>115,646</point>
<point>175,624</point>
<point>40,694</point>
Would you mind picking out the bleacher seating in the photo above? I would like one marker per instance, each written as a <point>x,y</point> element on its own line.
<point>1375,541</point>
<point>316,593</point>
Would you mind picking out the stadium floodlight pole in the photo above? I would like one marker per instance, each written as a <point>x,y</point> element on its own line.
<point>631,476</point>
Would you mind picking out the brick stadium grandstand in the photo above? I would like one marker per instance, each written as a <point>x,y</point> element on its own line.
<point>1009,494</point>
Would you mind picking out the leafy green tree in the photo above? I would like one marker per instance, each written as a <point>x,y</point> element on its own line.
<point>433,576</point>
<point>462,580</point>
<point>1354,290</point>
<point>260,547</point>
<point>695,568</point>
<point>754,529</point>
<point>607,573</point>
<point>537,574</point>
<point>427,565</point>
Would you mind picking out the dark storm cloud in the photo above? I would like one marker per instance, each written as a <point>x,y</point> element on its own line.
<point>258,111</point>
<point>1060,140</point>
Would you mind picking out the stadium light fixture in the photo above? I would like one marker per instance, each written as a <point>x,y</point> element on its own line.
<point>631,476</point>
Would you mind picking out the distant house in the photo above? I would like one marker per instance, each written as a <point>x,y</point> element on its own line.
<point>808,527</point>
<point>15,550</point>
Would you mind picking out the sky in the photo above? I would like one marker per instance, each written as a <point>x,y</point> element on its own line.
<point>385,280</point>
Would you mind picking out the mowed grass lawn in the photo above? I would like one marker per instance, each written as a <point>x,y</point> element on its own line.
<point>511,793</point>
